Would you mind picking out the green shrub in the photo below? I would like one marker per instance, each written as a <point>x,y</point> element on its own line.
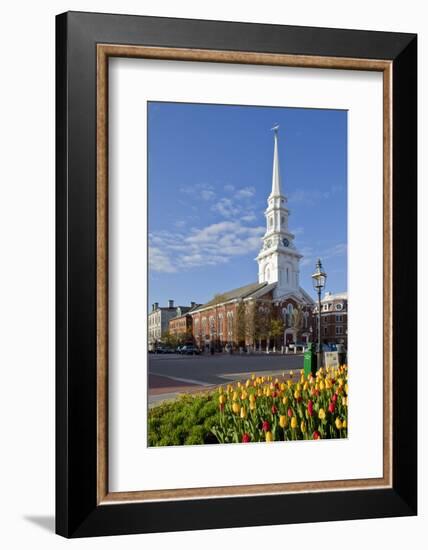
<point>185,421</point>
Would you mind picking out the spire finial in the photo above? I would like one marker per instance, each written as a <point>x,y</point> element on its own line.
<point>276,178</point>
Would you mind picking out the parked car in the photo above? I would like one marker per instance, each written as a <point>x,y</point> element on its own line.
<point>189,350</point>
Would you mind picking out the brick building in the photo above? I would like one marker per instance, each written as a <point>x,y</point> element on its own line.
<point>180,326</point>
<point>334,318</point>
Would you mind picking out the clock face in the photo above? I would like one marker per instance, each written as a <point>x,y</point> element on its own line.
<point>285,242</point>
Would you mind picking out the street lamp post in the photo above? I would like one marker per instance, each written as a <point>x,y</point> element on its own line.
<point>318,280</point>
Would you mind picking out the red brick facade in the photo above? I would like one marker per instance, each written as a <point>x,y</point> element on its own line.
<point>222,323</point>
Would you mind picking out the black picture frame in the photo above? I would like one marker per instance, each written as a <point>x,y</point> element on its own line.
<point>77,511</point>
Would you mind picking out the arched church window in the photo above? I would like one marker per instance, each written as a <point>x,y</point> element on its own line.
<point>288,275</point>
<point>271,221</point>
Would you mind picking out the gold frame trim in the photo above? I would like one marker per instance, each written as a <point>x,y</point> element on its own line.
<point>104,51</point>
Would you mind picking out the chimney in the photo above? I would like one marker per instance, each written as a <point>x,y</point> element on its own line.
<point>156,305</point>
<point>170,303</point>
<point>192,304</point>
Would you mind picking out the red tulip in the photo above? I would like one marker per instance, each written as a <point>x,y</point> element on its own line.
<point>299,399</point>
<point>274,394</point>
<point>290,413</point>
<point>310,408</point>
<point>334,398</point>
<point>316,435</point>
<point>246,438</point>
<point>274,409</point>
<point>331,407</point>
<point>266,426</point>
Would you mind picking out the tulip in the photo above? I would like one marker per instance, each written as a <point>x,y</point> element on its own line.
<point>290,413</point>
<point>316,435</point>
<point>222,399</point>
<point>235,396</point>
<point>235,407</point>
<point>294,423</point>
<point>291,374</point>
<point>252,405</point>
<point>306,386</point>
<point>334,398</point>
<point>283,421</point>
<point>303,426</point>
<point>283,387</point>
<point>285,400</point>
<point>252,398</point>
<point>244,395</point>
<point>247,383</point>
<point>344,424</point>
<point>331,407</point>
<point>243,412</point>
<point>274,394</point>
<point>269,437</point>
<point>321,414</point>
<point>246,438</point>
<point>310,408</point>
<point>265,426</point>
<point>338,423</point>
<point>321,385</point>
<point>274,409</point>
<point>220,390</point>
<point>267,392</point>
<point>296,394</point>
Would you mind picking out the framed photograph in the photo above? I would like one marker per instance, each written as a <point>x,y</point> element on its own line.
<point>236,274</point>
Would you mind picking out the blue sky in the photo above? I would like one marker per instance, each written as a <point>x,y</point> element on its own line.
<point>210,173</point>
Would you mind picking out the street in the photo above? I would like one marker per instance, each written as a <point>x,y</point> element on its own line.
<point>173,374</point>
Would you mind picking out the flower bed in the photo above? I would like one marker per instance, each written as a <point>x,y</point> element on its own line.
<point>260,409</point>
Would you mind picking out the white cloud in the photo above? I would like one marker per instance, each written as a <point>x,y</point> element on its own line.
<point>159,261</point>
<point>205,191</point>
<point>214,244</point>
<point>225,208</point>
<point>246,193</point>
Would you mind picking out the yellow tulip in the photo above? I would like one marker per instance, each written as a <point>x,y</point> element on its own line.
<point>322,385</point>
<point>252,398</point>
<point>344,424</point>
<point>235,407</point>
<point>239,384</point>
<point>291,374</point>
<point>296,394</point>
<point>267,392</point>
<point>247,383</point>
<point>222,399</point>
<point>346,389</point>
<point>303,426</point>
<point>253,376</point>
<point>243,412</point>
<point>294,422</point>
<point>269,437</point>
<point>305,386</point>
<point>283,421</point>
<point>321,414</point>
<point>283,387</point>
<point>340,382</point>
<point>244,395</point>
<point>338,423</point>
<point>252,405</point>
<point>289,383</point>
<point>235,396</point>
<point>220,390</point>
<point>259,392</point>
<point>285,400</point>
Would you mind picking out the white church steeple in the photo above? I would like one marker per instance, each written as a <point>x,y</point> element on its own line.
<point>278,259</point>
